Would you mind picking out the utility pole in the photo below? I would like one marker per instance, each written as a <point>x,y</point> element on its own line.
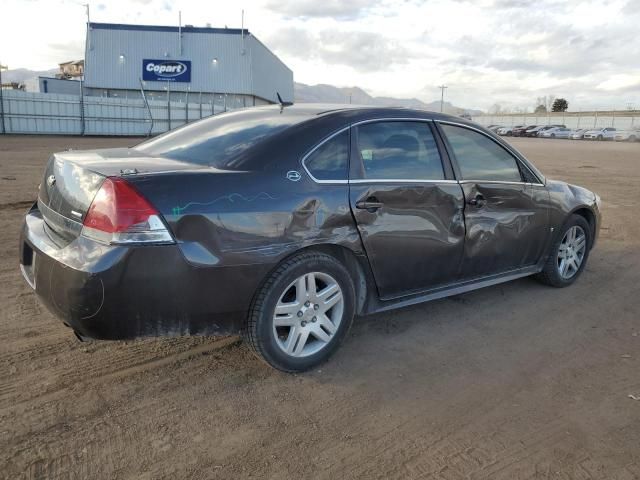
<point>442,87</point>
<point>2,67</point>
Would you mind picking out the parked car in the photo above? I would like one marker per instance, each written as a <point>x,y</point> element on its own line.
<point>632,135</point>
<point>519,132</point>
<point>495,128</point>
<point>533,132</point>
<point>508,131</point>
<point>556,132</point>
<point>600,134</point>
<point>282,223</point>
<point>578,134</point>
<point>537,131</point>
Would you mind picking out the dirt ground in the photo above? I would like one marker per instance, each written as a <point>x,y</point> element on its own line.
<point>514,381</point>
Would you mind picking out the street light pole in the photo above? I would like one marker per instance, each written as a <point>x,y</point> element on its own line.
<point>442,87</point>
<point>2,67</point>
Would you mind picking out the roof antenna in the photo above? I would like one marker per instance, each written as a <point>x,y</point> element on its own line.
<point>282,102</point>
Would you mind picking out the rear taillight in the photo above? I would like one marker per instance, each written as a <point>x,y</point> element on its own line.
<point>119,214</point>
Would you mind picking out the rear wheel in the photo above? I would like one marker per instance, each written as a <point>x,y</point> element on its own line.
<point>600,137</point>
<point>553,135</point>
<point>302,313</point>
<point>569,254</point>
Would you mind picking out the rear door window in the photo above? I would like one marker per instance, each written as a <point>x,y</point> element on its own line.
<point>399,151</point>
<point>479,157</point>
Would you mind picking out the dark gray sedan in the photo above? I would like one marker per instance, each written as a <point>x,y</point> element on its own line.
<point>284,223</point>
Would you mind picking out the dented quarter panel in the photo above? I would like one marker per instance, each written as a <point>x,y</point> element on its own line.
<point>250,218</point>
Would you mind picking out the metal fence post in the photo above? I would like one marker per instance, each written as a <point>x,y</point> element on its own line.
<point>2,101</point>
<point>82,127</point>
<point>186,108</point>
<point>146,102</point>
<point>168,107</point>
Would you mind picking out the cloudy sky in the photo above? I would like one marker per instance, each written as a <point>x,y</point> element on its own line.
<point>505,52</point>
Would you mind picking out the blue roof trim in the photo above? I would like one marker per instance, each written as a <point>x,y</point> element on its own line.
<point>162,28</point>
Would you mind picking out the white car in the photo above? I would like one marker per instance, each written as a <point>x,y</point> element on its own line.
<point>556,132</point>
<point>578,134</point>
<point>627,135</point>
<point>508,131</point>
<point>600,134</point>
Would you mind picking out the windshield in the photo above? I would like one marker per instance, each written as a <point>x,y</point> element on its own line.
<point>216,141</point>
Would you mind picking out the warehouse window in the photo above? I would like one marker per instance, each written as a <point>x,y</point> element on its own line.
<point>330,160</point>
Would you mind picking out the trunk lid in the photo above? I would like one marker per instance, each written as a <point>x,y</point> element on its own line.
<point>72,179</point>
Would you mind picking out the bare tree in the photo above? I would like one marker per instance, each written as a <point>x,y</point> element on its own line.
<point>495,109</point>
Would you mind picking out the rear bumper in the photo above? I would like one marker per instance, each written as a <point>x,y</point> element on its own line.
<point>118,292</point>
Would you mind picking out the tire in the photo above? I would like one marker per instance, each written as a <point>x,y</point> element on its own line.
<point>551,273</point>
<point>509,134</point>
<point>600,138</point>
<point>632,138</point>
<point>553,135</point>
<point>304,314</point>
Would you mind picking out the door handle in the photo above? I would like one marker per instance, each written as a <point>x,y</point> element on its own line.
<point>477,201</point>
<point>371,204</point>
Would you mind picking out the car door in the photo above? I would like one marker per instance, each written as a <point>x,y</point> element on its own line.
<point>506,206</point>
<point>407,205</point>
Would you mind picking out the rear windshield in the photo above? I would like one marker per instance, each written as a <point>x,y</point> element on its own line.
<point>217,141</point>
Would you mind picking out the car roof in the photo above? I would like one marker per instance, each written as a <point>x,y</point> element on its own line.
<point>356,112</point>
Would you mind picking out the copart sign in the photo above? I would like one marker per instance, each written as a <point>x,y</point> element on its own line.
<point>166,70</point>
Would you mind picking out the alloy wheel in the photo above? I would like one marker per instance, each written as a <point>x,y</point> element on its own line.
<point>308,314</point>
<point>571,252</point>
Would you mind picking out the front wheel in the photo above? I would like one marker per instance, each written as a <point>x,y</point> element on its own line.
<point>569,254</point>
<point>302,313</point>
<point>600,138</point>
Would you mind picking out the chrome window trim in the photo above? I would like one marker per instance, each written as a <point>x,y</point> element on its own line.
<point>348,127</point>
<point>506,147</point>
<point>399,180</point>
<point>316,147</point>
<point>396,180</point>
<point>499,182</point>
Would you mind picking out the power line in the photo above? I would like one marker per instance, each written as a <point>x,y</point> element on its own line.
<point>442,87</point>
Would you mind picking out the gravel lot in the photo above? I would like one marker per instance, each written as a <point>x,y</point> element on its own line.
<point>513,381</point>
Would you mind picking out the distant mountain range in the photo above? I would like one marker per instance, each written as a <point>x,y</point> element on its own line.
<point>329,94</point>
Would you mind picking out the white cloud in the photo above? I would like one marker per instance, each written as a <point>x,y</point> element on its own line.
<point>487,51</point>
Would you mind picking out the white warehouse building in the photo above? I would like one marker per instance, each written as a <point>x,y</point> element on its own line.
<point>226,65</point>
